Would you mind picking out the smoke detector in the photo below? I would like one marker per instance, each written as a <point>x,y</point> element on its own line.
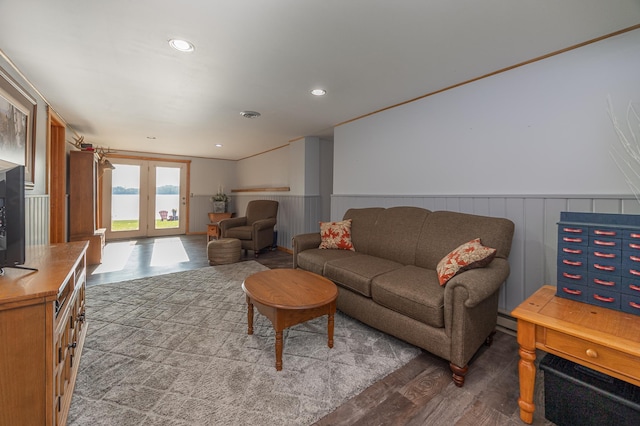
<point>250,114</point>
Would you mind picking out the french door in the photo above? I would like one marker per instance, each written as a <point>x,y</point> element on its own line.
<point>144,198</point>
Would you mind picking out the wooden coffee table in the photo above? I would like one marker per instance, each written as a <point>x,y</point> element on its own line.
<point>289,297</point>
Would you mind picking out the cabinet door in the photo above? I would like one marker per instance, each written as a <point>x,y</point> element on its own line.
<point>22,358</point>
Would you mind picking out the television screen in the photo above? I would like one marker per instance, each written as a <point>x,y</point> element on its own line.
<point>12,214</point>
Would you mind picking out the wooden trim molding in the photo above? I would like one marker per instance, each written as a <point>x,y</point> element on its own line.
<point>273,189</point>
<point>146,158</point>
<point>56,177</point>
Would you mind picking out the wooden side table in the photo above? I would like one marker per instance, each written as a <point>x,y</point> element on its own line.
<point>598,338</point>
<point>213,228</point>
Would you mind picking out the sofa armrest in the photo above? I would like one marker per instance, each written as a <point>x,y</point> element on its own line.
<point>478,284</point>
<point>471,308</point>
<point>261,224</point>
<point>302,242</point>
<point>231,223</point>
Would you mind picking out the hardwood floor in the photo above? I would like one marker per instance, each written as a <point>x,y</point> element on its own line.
<point>420,393</point>
<point>145,257</point>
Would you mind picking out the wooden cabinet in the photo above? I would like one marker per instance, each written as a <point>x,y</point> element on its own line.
<point>213,228</point>
<point>602,339</point>
<point>42,332</point>
<point>83,204</point>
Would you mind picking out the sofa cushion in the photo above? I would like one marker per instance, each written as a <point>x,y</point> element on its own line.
<point>467,256</point>
<point>356,272</point>
<point>411,291</point>
<point>313,260</point>
<point>396,234</point>
<point>363,222</point>
<point>240,232</point>
<point>336,235</point>
<point>446,230</point>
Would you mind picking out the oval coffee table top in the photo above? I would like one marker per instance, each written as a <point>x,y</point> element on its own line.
<point>290,289</point>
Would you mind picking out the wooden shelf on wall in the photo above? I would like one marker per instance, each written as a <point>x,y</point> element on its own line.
<point>274,189</point>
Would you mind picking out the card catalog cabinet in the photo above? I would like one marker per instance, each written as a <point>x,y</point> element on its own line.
<point>599,259</point>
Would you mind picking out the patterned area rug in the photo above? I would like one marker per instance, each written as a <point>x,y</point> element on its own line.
<point>173,350</point>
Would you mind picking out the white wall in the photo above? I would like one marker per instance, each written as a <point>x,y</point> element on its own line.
<point>208,174</point>
<point>538,129</point>
<point>270,169</point>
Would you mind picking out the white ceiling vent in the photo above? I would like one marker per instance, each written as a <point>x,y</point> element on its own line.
<point>250,114</point>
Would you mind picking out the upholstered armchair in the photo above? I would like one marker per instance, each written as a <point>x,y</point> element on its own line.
<point>255,230</point>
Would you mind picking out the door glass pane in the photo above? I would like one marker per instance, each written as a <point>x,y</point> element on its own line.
<point>125,198</point>
<point>167,197</point>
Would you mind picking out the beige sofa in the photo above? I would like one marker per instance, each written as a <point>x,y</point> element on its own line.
<point>390,282</point>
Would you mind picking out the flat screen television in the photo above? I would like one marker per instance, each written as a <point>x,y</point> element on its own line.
<point>12,215</point>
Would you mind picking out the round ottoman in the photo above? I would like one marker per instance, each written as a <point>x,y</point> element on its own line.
<point>223,251</point>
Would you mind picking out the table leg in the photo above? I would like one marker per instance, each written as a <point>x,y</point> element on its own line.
<point>330,329</point>
<point>249,316</point>
<point>278,350</point>
<point>526,369</point>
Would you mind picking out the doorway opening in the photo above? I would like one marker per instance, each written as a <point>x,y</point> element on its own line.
<point>145,198</point>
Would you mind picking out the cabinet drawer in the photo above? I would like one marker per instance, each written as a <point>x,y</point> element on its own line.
<point>604,242</point>
<point>630,304</point>
<point>576,240</point>
<point>630,286</point>
<point>605,232</point>
<point>572,291</point>
<point>604,267</point>
<point>591,352</point>
<point>570,263</point>
<point>571,250</point>
<point>631,259</point>
<point>572,275</point>
<point>598,254</point>
<point>603,297</point>
<point>603,281</point>
<point>631,234</point>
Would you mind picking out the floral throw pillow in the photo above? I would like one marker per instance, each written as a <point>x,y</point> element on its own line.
<point>467,256</point>
<point>336,235</point>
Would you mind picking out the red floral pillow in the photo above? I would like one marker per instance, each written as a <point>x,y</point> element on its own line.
<point>467,256</point>
<point>336,235</point>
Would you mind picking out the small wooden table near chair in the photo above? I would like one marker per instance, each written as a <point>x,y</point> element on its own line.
<point>255,229</point>
<point>213,228</point>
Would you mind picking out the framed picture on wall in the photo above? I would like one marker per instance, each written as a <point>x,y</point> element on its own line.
<point>17,126</point>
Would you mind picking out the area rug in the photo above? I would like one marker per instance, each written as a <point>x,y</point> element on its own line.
<point>173,350</point>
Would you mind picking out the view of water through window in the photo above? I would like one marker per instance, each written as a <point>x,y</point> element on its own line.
<point>125,198</point>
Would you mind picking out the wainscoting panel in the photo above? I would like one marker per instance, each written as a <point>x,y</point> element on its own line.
<point>534,249</point>
<point>36,219</point>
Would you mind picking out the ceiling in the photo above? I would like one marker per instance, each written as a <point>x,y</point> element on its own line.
<point>107,69</point>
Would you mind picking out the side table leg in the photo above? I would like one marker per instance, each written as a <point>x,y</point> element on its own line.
<point>249,316</point>
<point>526,369</point>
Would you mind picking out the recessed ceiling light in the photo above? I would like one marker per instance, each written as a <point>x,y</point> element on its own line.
<point>250,114</point>
<point>181,45</point>
<point>218,145</point>
<point>318,92</point>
